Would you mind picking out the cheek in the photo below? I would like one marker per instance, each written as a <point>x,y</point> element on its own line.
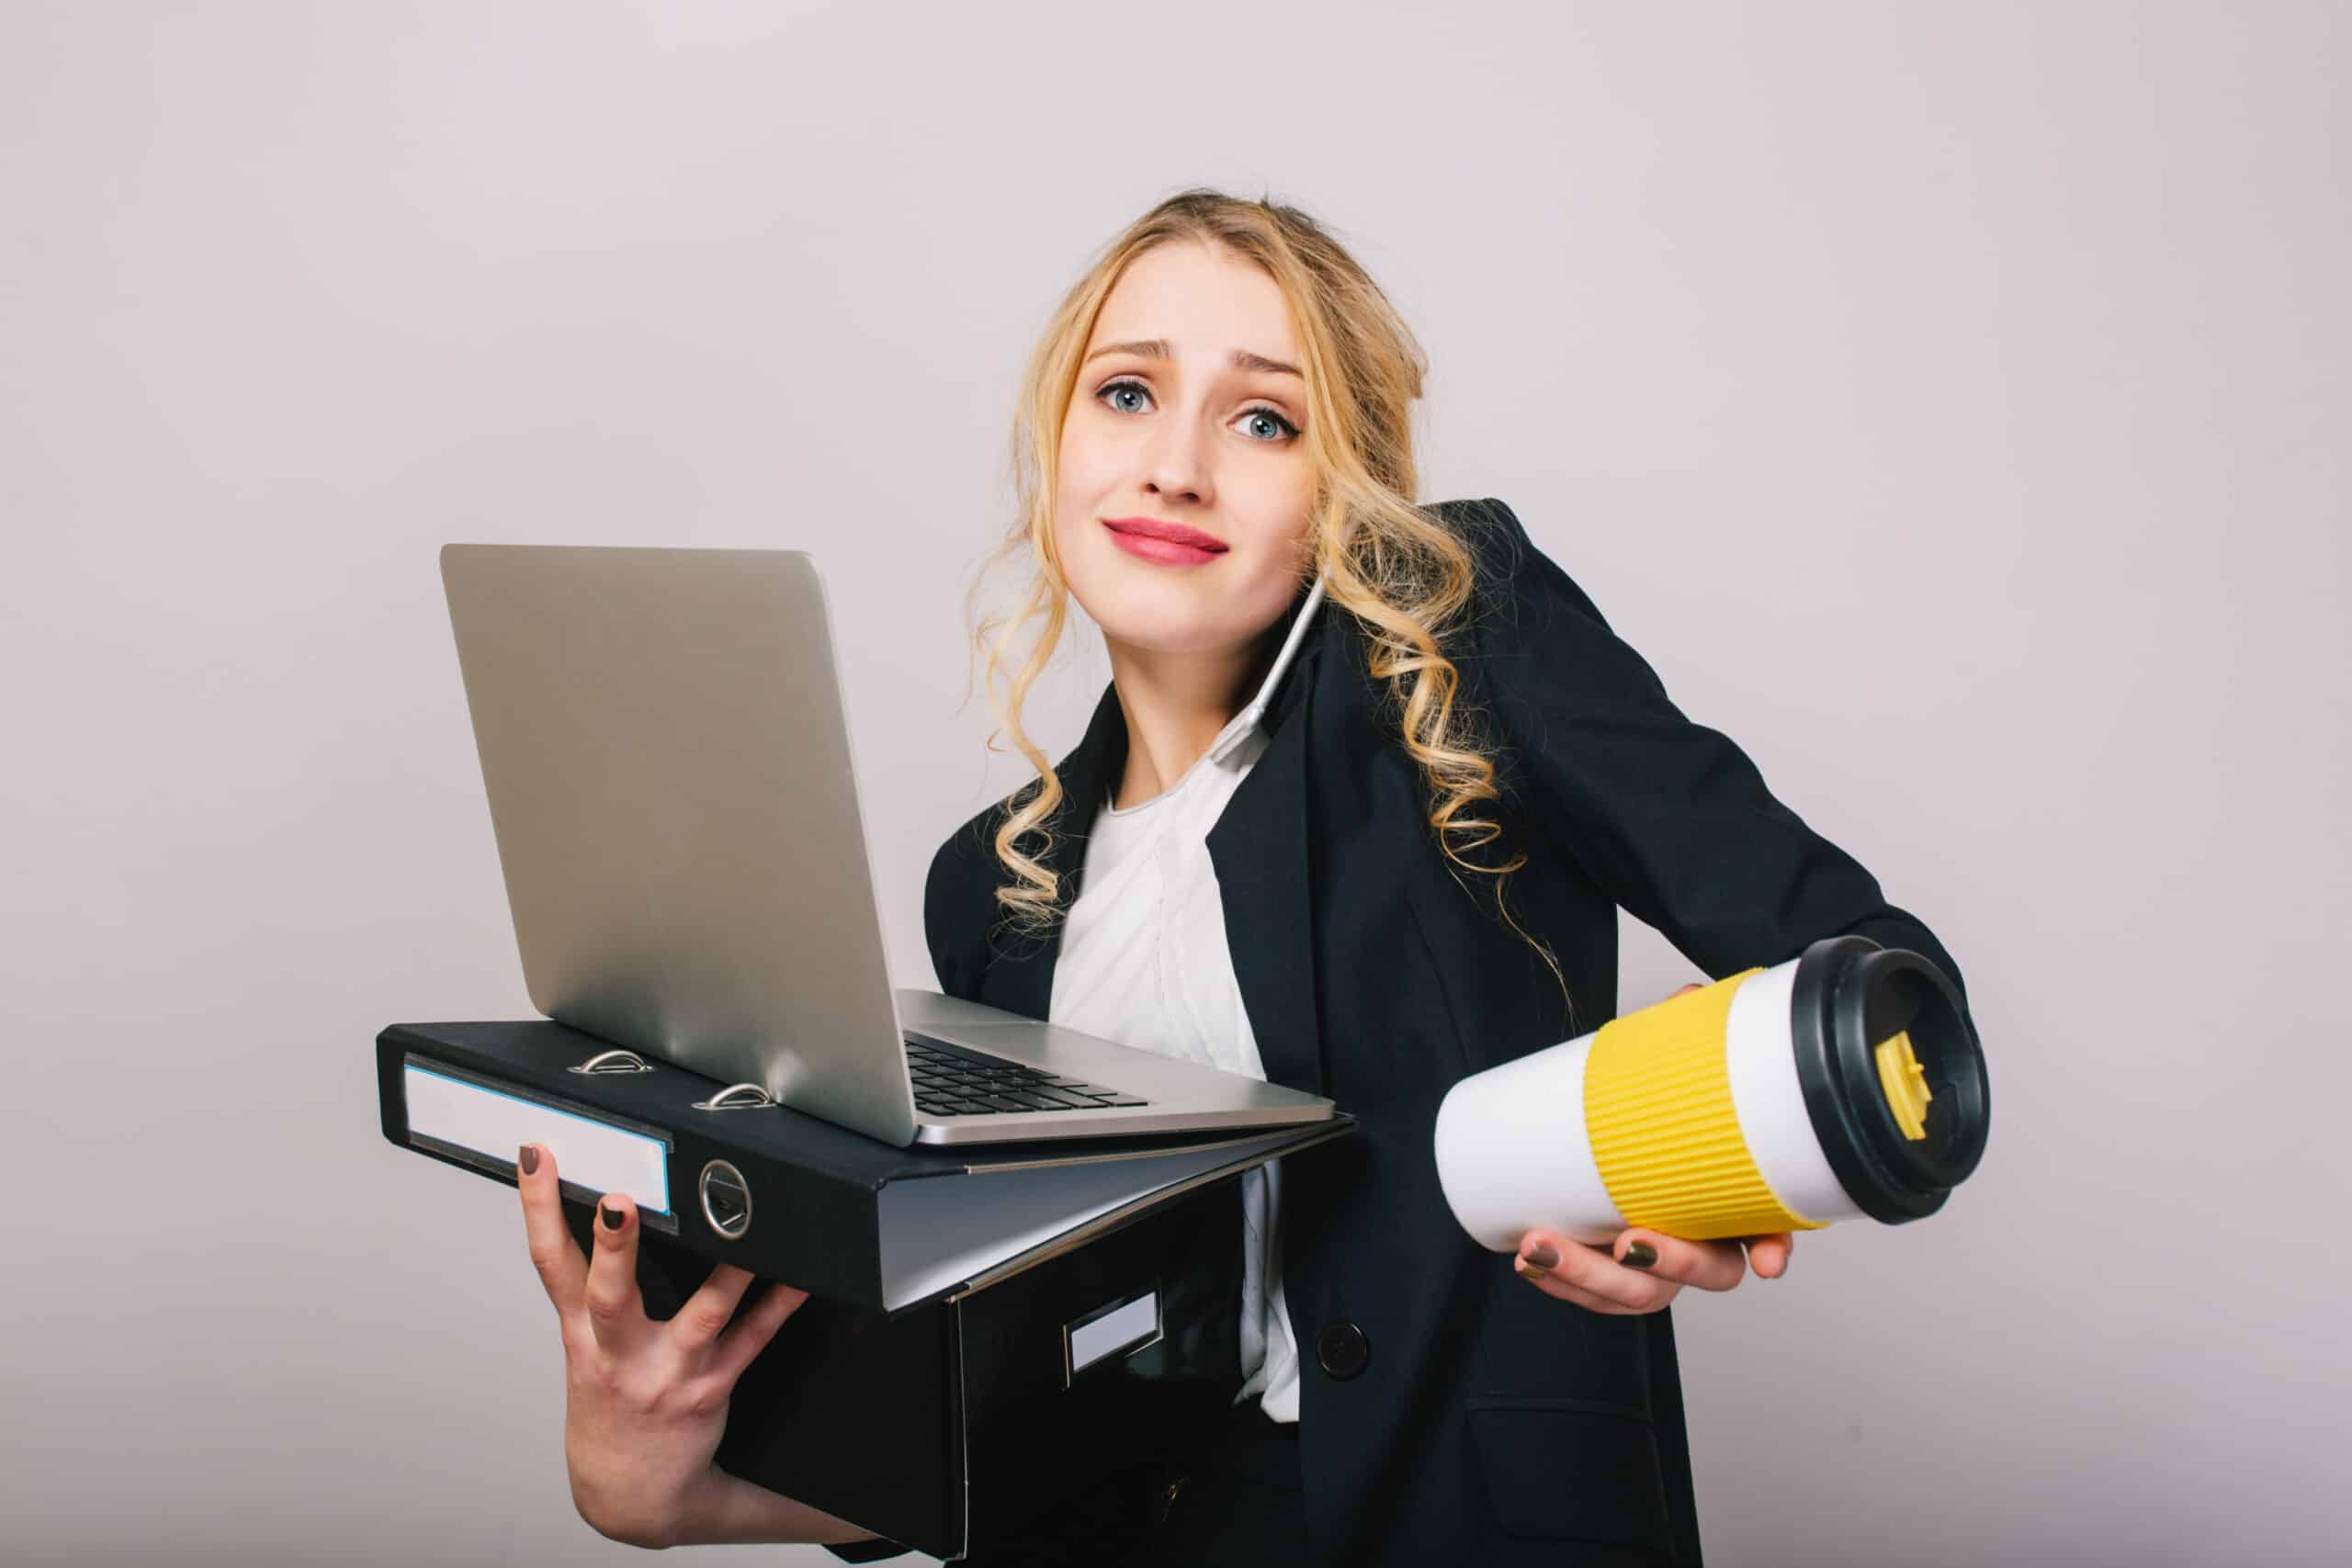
<point>1273,584</point>
<point>1090,459</point>
<point>1086,469</point>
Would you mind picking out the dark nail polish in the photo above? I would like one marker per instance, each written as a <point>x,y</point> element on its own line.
<point>612,1217</point>
<point>530,1158</point>
<point>1641,1255</point>
<point>1544,1254</point>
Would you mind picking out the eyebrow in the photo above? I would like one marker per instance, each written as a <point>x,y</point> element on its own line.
<point>1156,348</point>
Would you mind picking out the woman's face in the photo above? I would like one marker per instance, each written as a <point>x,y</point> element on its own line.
<point>1182,502</point>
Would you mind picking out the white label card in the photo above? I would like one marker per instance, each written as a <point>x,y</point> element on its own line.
<point>1114,1331</point>
<point>588,1153</point>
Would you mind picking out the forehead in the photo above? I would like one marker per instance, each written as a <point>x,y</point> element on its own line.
<point>1203,298</point>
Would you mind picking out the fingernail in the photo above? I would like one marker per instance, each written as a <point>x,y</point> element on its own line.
<point>613,1218</point>
<point>1544,1256</point>
<point>530,1158</point>
<point>1641,1255</point>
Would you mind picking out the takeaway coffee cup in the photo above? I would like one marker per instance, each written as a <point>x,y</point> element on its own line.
<point>1844,1083</point>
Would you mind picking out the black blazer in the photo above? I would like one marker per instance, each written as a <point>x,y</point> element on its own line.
<point>1450,1412</point>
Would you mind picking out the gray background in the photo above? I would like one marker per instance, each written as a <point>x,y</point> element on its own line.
<point>1949,402</point>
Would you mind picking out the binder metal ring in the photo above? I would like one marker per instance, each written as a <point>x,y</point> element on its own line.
<point>737,1097</point>
<point>613,1061</point>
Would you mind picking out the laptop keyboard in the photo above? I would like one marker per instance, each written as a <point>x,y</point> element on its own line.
<point>951,1081</point>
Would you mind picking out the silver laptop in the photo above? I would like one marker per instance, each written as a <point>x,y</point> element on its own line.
<point>663,739</point>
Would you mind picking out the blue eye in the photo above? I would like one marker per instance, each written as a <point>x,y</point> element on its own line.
<point>1112,389</point>
<point>1282,429</point>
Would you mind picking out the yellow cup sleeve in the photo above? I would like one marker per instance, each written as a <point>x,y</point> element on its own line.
<point>1659,1109</point>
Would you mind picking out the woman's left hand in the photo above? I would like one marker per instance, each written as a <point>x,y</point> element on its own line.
<point>1642,1271</point>
<point>1612,1279</point>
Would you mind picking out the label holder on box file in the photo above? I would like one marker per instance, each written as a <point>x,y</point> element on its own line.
<point>1112,1333</point>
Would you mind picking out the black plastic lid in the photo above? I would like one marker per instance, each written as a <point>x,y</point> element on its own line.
<point>1849,995</point>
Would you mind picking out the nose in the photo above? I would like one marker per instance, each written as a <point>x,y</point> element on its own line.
<point>1176,462</point>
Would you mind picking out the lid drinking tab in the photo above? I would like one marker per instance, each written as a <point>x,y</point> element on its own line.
<point>1904,1083</point>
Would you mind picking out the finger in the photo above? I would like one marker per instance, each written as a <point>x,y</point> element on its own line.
<point>1709,1265</point>
<point>744,1342</point>
<point>1770,1255</point>
<point>1560,1290</point>
<point>1592,1270</point>
<point>697,1325</point>
<point>615,1310</point>
<point>563,1271</point>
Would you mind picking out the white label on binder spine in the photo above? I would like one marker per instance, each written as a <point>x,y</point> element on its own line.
<point>490,1122</point>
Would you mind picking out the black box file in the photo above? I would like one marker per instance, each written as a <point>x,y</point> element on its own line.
<point>992,1328</point>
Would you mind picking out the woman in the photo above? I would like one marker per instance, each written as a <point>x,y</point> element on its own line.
<point>1387,859</point>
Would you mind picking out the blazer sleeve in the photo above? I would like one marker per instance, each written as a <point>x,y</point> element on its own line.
<point>1670,816</point>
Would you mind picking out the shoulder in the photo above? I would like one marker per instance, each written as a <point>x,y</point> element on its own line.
<point>966,927</point>
<point>959,904</point>
<point>964,855</point>
<point>1532,647</point>
<point>1514,576</point>
<point>1524,610</point>
<point>1524,615</point>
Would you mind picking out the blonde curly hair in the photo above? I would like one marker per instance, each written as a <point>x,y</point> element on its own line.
<point>1401,573</point>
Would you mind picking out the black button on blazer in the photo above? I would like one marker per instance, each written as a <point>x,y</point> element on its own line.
<point>1493,1424</point>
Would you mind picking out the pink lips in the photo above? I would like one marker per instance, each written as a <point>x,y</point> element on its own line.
<point>1169,543</point>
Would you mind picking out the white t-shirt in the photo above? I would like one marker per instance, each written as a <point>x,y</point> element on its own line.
<point>1144,962</point>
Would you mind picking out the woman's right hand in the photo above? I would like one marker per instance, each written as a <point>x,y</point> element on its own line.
<point>645,1403</point>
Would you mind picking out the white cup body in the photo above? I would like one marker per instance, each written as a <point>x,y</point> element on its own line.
<point>1513,1155</point>
<point>1770,1101</point>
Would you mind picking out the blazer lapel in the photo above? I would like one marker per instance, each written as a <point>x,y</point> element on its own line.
<point>1258,847</point>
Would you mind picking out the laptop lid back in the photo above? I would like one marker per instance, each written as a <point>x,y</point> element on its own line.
<point>666,755</point>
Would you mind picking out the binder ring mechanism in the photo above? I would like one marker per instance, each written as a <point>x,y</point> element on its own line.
<point>738,1097</point>
<point>613,1061</point>
<point>734,1097</point>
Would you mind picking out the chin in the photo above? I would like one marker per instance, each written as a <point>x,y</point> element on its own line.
<point>1164,618</point>
<point>1173,634</point>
